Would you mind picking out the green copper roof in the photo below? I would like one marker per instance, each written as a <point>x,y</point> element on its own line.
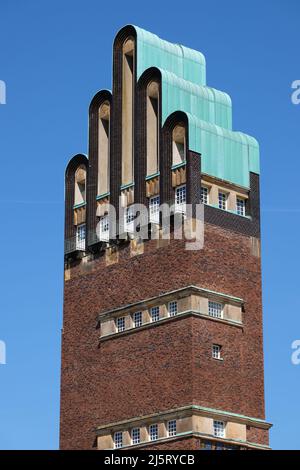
<point>155,52</point>
<point>224,153</point>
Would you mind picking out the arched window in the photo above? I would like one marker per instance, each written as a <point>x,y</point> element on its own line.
<point>80,186</point>
<point>128,74</point>
<point>103,148</point>
<point>179,145</point>
<point>152,128</point>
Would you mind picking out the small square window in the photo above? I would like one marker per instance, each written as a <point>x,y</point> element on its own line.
<point>154,312</point>
<point>216,351</point>
<point>204,194</point>
<point>219,429</point>
<point>153,432</point>
<point>118,440</point>
<point>172,428</point>
<point>120,324</point>
<point>137,319</point>
<point>215,309</point>
<point>240,206</point>
<point>172,308</point>
<point>135,436</point>
<point>222,200</point>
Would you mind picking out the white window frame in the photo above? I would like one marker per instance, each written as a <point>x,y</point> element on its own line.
<point>155,316</point>
<point>219,428</point>
<point>216,351</point>
<point>154,204</point>
<point>80,237</point>
<point>129,219</point>
<point>118,439</point>
<point>153,435</point>
<point>172,428</point>
<point>104,228</point>
<point>137,318</point>
<point>173,308</point>
<point>135,436</point>
<point>180,199</point>
<point>206,190</point>
<point>222,205</point>
<point>120,328</point>
<point>240,208</point>
<point>215,309</point>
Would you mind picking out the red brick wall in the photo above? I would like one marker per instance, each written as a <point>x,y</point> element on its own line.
<point>169,365</point>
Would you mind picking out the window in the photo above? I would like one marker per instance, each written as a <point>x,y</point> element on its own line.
<point>135,436</point>
<point>118,439</point>
<point>80,237</point>
<point>204,195</point>
<point>120,323</point>
<point>153,432</point>
<point>154,203</point>
<point>215,309</point>
<point>216,351</point>
<point>219,429</point>
<point>240,206</point>
<point>180,199</point>
<point>154,312</point>
<point>104,228</point>
<point>222,201</point>
<point>129,219</point>
<point>172,429</point>
<point>173,308</point>
<point>137,319</point>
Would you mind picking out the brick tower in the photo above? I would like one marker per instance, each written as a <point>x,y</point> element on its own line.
<point>162,345</point>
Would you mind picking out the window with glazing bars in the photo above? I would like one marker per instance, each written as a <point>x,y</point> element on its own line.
<point>120,323</point>
<point>153,432</point>
<point>137,319</point>
<point>154,312</point>
<point>172,307</point>
<point>204,195</point>
<point>180,199</point>
<point>215,309</point>
<point>172,428</point>
<point>154,203</point>
<point>135,436</point>
<point>222,200</point>
<point>118,439</point>
<point>216,351</point>
<point>240,206</point>
<point>219,429</point>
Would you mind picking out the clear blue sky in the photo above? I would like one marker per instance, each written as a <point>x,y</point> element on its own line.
<point>55,55</point>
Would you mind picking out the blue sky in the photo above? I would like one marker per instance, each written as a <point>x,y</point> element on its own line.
<point>55,55</point>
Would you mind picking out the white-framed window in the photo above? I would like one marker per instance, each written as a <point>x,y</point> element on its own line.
<point>215,309</point>
<point>153,432</point>
<point>219,428</point>
<point>80,236</point>
<point>180,199</point>
<point>154,312</point>
<point>240,206</point>
<point>120,324</point>
<point>104,228</point>
<point>118,439</point>
<point>216,351</point>
<point>129,218</point>
<point>173,308</point>
<point>137,319</point>
<point>204,194</point>
<point>154,203</point>
<point>172,428</point>
<point>222,200</point>
<point>135,436</point>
